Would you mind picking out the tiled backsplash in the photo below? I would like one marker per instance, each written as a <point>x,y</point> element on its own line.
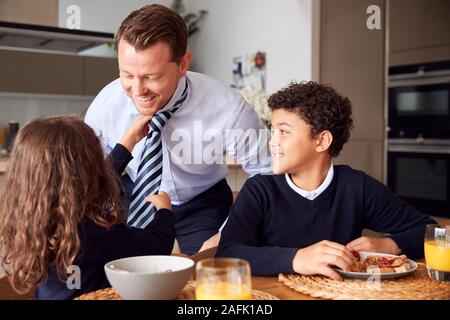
<point>23,107</point>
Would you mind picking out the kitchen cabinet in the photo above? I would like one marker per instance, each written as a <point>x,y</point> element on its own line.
<point>352,60</point>
<point>42,12</point>
<point>41,73</point>
<point>98,72</point>
<point>418,31</point>
<point>48,73</point>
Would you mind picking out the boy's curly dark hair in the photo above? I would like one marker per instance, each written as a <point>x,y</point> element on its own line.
<point>321,107</point>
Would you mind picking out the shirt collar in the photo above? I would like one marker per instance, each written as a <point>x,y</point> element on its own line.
<point>311,195</point>
<point>176,95</point>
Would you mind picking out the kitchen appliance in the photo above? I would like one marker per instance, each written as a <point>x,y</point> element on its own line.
<point>419,101</point>
<point>30,36</point>
<point>418,168</point>
<point>419,173</point>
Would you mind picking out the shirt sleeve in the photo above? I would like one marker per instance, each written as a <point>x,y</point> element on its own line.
<point>386,212</point>
<point>123,241</point>
<point>119,157</point>
<point>242,235</point>
<point>96,118</point>
<point>247,141</point>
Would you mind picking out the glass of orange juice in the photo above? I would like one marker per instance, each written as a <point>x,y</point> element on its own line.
<point>437,251</point>
<point>223,279</point>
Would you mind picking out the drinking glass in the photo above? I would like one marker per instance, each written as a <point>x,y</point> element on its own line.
<point>437,251</point>
<point>223,279</point>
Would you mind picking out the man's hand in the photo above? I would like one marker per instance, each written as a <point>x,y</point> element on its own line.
<point>373,244</point>
<point>135,133</point>
<point>320,258</point>
<point>160,200</point>
<point>211,242</point>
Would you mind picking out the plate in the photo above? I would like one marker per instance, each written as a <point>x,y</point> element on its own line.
<point>381,276</point>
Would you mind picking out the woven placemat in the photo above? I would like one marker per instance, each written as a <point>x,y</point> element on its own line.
<point>188,293</point>
<point>416,286</point>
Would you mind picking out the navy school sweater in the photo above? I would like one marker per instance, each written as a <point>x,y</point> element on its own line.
<point>99,245</point>
<point>269,221</point>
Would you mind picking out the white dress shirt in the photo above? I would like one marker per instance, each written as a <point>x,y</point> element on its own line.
<point>211,109</point>
<point>311,195</point>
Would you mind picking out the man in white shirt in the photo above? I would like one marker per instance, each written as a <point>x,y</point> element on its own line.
<point>195,121</point>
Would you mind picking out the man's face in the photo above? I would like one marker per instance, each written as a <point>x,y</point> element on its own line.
<point>149,76</point>
<point>291,144</point>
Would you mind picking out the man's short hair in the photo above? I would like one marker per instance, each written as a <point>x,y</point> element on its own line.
<point>152,24</point>
<point>321,107</point>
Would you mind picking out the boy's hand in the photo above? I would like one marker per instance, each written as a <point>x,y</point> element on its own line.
<point>319,258</point>
<point>160,200</point>
<point>373,244</point>
<point>135,133</point>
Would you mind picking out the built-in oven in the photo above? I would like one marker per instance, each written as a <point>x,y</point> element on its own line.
<point>419,101</point>
<point>419,172</point>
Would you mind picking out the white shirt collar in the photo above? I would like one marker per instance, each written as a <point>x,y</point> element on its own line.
<point>176,95</point>
<point>311,195</point>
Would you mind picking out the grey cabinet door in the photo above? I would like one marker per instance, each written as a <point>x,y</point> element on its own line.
<point>33,72</point>
<point>418,24</point>
<point>353,61</point>
<point>418,31</point>
<point>98,72</point>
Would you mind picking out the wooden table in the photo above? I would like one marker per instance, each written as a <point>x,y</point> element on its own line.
<point>267,284</point>
<point>274,287</point>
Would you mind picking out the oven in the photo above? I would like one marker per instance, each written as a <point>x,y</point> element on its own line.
<point>419,101</point>
<point>419,173</point>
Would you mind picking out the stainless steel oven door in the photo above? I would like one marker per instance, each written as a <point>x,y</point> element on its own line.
<point>420,174</point>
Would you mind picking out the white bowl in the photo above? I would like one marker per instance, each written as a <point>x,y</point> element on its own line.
<point>149,277</point>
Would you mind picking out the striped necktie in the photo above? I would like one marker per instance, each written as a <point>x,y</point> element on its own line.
<point>149,174</point>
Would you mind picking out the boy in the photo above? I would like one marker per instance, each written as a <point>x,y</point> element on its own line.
<point>308,217</point>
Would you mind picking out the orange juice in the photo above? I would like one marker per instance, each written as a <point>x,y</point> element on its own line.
<point>437,255</point>
<point>223,291</point>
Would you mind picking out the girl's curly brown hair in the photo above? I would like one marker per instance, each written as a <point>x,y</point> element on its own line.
<point>321,107</point>
<point>57,177</point>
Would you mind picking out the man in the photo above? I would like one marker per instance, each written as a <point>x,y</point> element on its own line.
<point>187,109</point>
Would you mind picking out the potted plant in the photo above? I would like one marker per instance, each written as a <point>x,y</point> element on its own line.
<point>192,20</point>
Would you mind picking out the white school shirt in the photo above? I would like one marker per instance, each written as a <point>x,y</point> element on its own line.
<point>201,124</point>
<point>311,195</point>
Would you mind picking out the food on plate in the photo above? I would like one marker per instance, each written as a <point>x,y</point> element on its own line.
<point>380,264</point>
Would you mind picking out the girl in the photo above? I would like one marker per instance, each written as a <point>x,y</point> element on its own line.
<point>61,210</point>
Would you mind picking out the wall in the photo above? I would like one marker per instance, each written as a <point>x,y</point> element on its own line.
<point>283,29</point>
<point>25,107</point>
